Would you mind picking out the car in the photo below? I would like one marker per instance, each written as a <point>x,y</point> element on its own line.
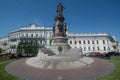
<point>10,55</point>
<point>3,55</point>
<point>112,54</point>
<point>93,54</point>
<point>96,53</point>
<point>89,55</point>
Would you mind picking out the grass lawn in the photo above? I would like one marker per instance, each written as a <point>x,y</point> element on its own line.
<point>3,74</point>
<point>3,59</point>
<point>115,75</point>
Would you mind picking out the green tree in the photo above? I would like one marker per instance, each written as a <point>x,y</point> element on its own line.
<point>0,50</point>
<point>20,47</point>
<point>29,48</point>
<point>35,48</point>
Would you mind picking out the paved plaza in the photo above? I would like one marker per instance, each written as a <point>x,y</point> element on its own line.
<point>99,68</point>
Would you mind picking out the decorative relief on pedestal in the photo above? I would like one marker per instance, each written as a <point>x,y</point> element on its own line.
<point>60,49</point>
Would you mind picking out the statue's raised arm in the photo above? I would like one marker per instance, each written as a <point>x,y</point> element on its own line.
<point>59,8</point>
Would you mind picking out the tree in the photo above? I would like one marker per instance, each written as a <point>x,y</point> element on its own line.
<point>28,48</point>
<point>20,47</point>
<point>0,50</point>
<point>35,48</point>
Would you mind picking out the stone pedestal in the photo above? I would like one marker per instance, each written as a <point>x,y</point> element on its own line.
<point>60,45</point>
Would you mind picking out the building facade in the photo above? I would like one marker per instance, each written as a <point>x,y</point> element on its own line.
<point>95,42</point>
<point>118,47</point>
<point>88,42</point>
<point>28,33</point>
<point>4,44</point>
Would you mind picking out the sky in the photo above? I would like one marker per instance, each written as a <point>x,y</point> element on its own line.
<point>81,16</point>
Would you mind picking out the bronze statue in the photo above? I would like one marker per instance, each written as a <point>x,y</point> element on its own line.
<point>59,8</point>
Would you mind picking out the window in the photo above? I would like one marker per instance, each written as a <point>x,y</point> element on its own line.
<point>103,41</point>
<point>92,42</point>
<point>31,35</point>
<point>36,35</point>
<point>88,42</point>
<point>75,42</point>
<point>70,42</point>
<point>98,48</point>
<point>97,42</point>
<point>93,48</point>
<point>89,48</point>
<point>79,42</point>
<point>41,42</point>
<point>84,42</point>
<point>104,48</point>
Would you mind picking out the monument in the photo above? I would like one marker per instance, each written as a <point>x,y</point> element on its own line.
<point>63,56</point>
<point>60,45</point>
<point>58,61</point>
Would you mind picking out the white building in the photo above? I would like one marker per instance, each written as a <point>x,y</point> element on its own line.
<point>90,42</point>
<point>95,42</point>
<point>118,47</point>
<point>4,43</point>
<point>28,33</point>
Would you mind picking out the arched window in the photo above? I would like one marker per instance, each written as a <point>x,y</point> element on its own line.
<point>84,42</point>
<point>89,48</point>
<point>36,35</point>
<point>98,48</point>
<point>88,42</point>
<point>79,42</point>
<point>104,48</point>
<point>103,41</point>
<point>70,42</point>
<point>75,42</point>
<point>97,42</point>
<point>31,35</point>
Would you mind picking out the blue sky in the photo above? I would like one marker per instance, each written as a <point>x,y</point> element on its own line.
<point>81,16</point>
